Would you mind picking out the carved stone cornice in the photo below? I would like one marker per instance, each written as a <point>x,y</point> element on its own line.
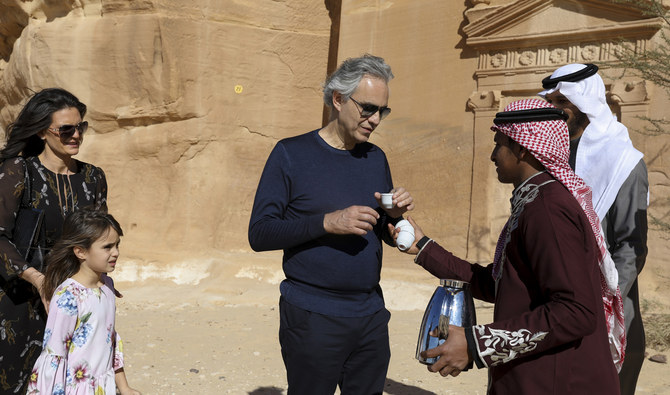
<point>539,35</point>
<point>624,30</point>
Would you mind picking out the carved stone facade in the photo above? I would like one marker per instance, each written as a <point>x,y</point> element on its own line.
<point>520,43</point>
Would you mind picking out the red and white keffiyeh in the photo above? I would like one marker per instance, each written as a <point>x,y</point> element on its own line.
<point>548,142</point>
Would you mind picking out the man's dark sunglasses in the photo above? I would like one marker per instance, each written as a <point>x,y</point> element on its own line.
<point>368,110</point>
<point>67,131</point>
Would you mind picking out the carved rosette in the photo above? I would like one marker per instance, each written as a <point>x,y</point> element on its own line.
<point>527,58</point>
<point>558,56</point>
<point>590,53</point>
<point>498,60</point>
<point>626,47</point>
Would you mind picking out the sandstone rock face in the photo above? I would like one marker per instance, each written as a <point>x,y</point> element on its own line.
<point>186,100</point>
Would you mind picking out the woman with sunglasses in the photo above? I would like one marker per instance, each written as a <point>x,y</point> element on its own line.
<point>38,159</point>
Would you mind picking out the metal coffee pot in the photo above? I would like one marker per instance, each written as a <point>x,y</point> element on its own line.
<point>451,303</point>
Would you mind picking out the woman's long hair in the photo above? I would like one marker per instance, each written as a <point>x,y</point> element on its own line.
<point>80,229</point>
<point>22,138</point>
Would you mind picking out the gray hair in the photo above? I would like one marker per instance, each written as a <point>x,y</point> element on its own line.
<point>347,77</point>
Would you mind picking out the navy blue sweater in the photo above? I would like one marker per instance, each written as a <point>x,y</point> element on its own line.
<point>305,178</point>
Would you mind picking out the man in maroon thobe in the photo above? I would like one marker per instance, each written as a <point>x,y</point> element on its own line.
<point>557,321</point>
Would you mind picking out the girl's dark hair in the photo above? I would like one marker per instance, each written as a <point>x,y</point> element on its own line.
<point>80,229</point>
<point>22,138</point>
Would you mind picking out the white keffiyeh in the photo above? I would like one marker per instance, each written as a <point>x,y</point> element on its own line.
<point>606,156</point>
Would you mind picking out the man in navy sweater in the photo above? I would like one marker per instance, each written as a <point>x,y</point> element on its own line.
<point>318,199</point>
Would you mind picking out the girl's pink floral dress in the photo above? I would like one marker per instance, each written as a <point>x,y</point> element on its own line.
<point>81,349</point>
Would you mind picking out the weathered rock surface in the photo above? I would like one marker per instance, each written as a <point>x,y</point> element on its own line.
<point>185,101</point>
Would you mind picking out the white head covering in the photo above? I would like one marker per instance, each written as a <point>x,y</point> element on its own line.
<point>606,155</point>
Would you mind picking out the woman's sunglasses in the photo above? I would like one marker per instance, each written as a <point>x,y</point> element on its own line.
<point>67,131</point>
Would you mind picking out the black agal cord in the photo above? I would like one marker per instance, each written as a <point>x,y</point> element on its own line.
<point>532,115</point>
<point>589,70</point>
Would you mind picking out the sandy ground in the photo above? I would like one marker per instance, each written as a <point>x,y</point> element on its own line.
<point>193,331</point>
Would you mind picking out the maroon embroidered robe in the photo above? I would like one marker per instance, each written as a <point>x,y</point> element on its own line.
<point>549,334</point>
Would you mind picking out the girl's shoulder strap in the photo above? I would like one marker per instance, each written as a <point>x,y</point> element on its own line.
<point>107,281</point>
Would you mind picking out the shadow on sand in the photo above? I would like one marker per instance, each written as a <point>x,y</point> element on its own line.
<point>390,387</point>
<point>267,391</point>
<point>395,388</point>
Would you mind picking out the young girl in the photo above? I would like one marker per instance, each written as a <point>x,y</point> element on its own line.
<point>82,353</point>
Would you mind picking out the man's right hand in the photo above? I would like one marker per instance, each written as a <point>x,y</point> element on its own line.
<point>356,220</point>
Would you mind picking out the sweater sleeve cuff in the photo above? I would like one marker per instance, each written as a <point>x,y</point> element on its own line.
<point>315,227</point>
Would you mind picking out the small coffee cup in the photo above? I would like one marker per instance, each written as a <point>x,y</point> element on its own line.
<point>387,200</point>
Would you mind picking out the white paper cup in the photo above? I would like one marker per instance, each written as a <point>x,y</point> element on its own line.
<point>404,240</point>
<point>387,200</point>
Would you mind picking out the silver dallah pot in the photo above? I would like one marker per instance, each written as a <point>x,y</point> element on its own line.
<point>451,303</point>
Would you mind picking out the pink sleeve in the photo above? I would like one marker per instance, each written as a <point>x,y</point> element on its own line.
<point>50,371</point>
<point>49,375</point>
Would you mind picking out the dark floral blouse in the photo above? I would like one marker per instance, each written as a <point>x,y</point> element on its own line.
<point>22,316</point>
